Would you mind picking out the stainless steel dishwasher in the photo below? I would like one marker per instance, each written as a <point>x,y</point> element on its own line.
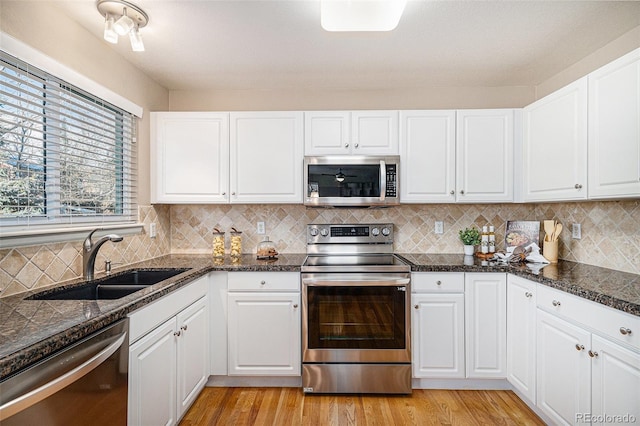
<point>85,383</point>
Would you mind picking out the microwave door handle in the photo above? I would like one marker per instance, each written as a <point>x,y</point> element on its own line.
<point>383,180</point>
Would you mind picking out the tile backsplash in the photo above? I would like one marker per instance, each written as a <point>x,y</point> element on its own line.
<point>610,234</point>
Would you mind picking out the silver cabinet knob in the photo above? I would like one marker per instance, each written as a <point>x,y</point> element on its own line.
<point>263,282</point>
<point>184,327</point>
<point>295,306</point>
<point>579,347</point>
<point>452,192</point>
<point>346,145</point>
<point>578,186</point>
<point>416,306</point>
<point>555,303</point>
<point>593,354</point>
<point>625,331</point>
<point>233,193</point>
<point>355,144</point>
<point>177,333</point>
<point>438,282</point>
<point>462,191</point>
<point>528,294</point>
<point>224,193</point>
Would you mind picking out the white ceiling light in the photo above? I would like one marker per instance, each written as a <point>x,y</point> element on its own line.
<point>121,18</point>
<point>361,15</point>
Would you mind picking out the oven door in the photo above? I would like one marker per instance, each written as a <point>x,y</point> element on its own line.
<point>356,318</point>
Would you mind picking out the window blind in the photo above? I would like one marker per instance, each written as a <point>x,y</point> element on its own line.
<point>66,157</point>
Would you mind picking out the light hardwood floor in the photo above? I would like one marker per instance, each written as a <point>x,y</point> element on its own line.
<point>289,406</point>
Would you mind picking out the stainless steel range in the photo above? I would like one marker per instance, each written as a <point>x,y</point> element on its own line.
<point>355,311</point>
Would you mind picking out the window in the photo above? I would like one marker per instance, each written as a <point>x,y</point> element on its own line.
<point>66,157</point>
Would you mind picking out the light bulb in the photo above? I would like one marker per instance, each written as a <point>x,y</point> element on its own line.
<point>136,40</point>
<point>109,33</point>
<point>123,25</point>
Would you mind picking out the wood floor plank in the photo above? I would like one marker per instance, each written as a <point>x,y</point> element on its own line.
<point>290,406</point>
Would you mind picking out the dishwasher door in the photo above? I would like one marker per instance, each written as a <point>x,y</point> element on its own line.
<point>85,383</point>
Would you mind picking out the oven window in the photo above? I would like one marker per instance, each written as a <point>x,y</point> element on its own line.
<point>344,180</point>
<point>356,317</point>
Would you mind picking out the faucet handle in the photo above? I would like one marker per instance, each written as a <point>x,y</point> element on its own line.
<point>87,241</point>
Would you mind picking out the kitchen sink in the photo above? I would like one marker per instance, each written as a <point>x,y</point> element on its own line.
<point>110,287</point>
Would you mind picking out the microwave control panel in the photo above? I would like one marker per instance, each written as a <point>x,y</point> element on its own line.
<point>392,182</point>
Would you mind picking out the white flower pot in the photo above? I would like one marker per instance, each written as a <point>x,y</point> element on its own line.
<point>469,250</point>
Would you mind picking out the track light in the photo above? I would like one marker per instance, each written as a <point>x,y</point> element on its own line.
<point>122,18</point>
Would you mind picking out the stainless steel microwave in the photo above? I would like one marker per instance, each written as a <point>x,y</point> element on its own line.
<point>358,181</point>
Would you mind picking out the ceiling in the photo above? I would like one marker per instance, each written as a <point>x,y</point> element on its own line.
<point>272,44</point>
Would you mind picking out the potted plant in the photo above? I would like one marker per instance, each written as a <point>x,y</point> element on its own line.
<point>470,237</point>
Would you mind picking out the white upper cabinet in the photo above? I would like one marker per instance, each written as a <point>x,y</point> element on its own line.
<point>484,155</point>
<point>189,157</point>
<point>555,146</point>
<point>351,133</point>
<point>428,156</point>
<point>266,157</point>
<point>614,129</point>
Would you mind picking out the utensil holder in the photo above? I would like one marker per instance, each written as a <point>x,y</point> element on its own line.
<point>550,251</point>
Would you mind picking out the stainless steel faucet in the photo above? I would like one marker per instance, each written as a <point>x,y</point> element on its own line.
<point>90,250</point>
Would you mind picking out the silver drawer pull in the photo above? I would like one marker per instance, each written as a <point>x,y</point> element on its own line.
<point>528,294</point>
<point>439,282</point>
<point>555,303</point>
<point>416,306</point>
<point>625,331</point>
<point>579,347</point>
<point>593,354</point>
<point>183,328</point>
<point>295,306</point>
<point>263,282</point>
<point>177,333</point>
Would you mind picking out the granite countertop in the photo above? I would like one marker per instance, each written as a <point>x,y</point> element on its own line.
<point>33,329</point>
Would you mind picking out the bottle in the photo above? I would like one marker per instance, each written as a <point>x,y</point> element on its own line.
<point>484,240</point>
<point>236,243</point>
<point>492,239</point>
<point>218,243</point>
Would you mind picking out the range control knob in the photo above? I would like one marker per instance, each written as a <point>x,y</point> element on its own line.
<point>313,232</point>
<point>375,232</point>
<point>386,232</point>
<point>324,232</point>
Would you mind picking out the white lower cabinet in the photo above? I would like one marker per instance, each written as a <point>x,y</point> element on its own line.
<point>521,335</point>
<point>437,325</point>
<point>486,325</point>
<point>583,374</point>
<point>264,324</point>
<point>169,364</point>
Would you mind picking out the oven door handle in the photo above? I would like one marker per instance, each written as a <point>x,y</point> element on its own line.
<point>363,282</point>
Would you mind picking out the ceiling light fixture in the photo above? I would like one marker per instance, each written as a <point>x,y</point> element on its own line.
<point>122,18</point>
<point>361,15</point>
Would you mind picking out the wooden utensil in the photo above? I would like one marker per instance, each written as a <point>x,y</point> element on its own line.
<point>557,231</point>
<point>548,229</point>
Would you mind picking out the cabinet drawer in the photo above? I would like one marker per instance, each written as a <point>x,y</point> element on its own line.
<point>437,282</point>
<point>267,281</point>
<point>607,321</point>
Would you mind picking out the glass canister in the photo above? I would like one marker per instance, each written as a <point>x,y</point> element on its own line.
<point>266,249</point>
<point>218,243</point>
<point>236,243</point>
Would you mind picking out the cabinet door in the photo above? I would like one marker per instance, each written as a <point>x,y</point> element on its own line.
<point>427,150</point>
<point>615,380</point>
<point>189,157</point>
<point>374,132</point>
<point>563,369</point>
<point>266,157</point>
<point>264,334</point>
<point>484,155</point>
<point>327,133</point>
<point>485,325</point>
<point>152,378</point>
<point>437,333</point>
<point>555,145</point>
<point>193,353</point>
<point>614,129</point>
<point>521,335</point>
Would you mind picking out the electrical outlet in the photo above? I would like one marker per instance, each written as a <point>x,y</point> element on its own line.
<point>576,231</point>
<point>260,229</point>
<point>439,227</point>
<point>152,230</point>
